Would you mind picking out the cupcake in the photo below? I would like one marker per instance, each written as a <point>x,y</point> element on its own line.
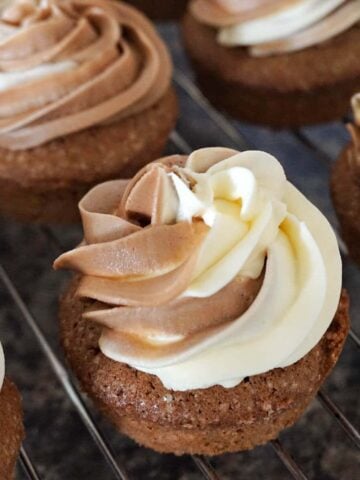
<point>207,308</point>
<point>276,62</point>
<point>11,423</point>
<point>161,9</point>
<point>345,186</point>
<point>85,96</point>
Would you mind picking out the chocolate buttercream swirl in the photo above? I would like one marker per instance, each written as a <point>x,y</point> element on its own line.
<point>270,27</point>
<point>66,65</point>
<point>138,259</point>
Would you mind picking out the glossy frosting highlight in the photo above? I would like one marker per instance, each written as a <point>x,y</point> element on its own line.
<point>66,65</point>
<point>276,27</point>
<point>204,265</point>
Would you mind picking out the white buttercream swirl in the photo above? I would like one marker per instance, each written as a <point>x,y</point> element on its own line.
<point>257,220</point>
<point>292,27</point>
<point>2,366</point>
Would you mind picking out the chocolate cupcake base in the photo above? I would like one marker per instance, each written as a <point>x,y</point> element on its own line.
<point>211,421</point>
<point>161,9</point>
<point>45,184</point>
<point>345,190</point>
<point>11,429</point>
<point>289,90</point>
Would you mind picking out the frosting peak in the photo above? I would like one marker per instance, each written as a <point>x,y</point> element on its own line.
<point>270,27</point>
<point>200,267</point>
<point>66,65</point>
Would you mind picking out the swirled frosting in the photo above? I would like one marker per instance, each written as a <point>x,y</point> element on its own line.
<point>270,27</point>
<point>66,65</point>
<point>2,366</point>
<point>206,269</point>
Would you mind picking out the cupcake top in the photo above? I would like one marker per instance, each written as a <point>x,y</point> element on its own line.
<point>2,366</point>
<point>66,65</point>
<point>270,27</point>
<point>206,269</point>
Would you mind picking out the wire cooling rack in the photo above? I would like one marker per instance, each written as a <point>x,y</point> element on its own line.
<point>66,438</point>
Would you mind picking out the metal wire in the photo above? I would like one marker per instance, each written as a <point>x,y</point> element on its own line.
<point>195,94</point>
<point>335,411</point>
<point>205,467</point>
<point>288,461</point>
<point>63,377</point>
<point>355,337</point>
<point>28,466</point>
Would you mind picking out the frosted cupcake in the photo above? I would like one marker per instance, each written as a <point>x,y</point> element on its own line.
<point>11,423</point>
<point>345,186</point>
<point>207,309</point>
<point>85,96</point>
<point>278,62</point>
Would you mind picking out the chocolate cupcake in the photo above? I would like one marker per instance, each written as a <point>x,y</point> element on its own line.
<point>345,186</point>
<point>11,424</point>
<point>283,63</point>
<point>207,308</point>
<point>161,9</point>
<point>85,96</point>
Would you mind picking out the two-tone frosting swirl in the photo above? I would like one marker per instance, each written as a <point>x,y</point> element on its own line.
<point>209,268</point>
<point>66,65</point>
<point>270,27</point>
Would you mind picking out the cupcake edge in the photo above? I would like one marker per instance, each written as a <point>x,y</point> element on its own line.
<point>11,428</point>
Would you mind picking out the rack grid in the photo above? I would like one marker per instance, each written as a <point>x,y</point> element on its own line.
<point>200,125</point>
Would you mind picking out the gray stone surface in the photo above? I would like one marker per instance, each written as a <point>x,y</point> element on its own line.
<point>59,444</point>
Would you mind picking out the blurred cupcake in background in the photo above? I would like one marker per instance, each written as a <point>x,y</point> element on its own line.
<point>278,62</point>
<point>345,186</point>
<point>11,423</point>
<point>85,95</point>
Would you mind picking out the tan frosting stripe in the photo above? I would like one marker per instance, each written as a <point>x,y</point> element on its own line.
<point>152,251</point>
<point>121,67</point>
<point>222,13</point>
<point>182,316</point>
<point>96,209</point>
<point>149,292</point>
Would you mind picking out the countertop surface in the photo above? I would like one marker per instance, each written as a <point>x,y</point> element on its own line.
<point>57,440</point>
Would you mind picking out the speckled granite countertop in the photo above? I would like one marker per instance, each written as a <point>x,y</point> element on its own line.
<point>57,441</point>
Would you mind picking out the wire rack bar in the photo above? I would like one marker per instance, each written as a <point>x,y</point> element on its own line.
<point>192,90</point>
<point>288,461</point>
<point>28,466</point>
<point>321,154</point>
<point>64,378</point>
<point>351,431</point>
<point>355,337</point>
<point>205,467</point>
<point>180,143</point>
